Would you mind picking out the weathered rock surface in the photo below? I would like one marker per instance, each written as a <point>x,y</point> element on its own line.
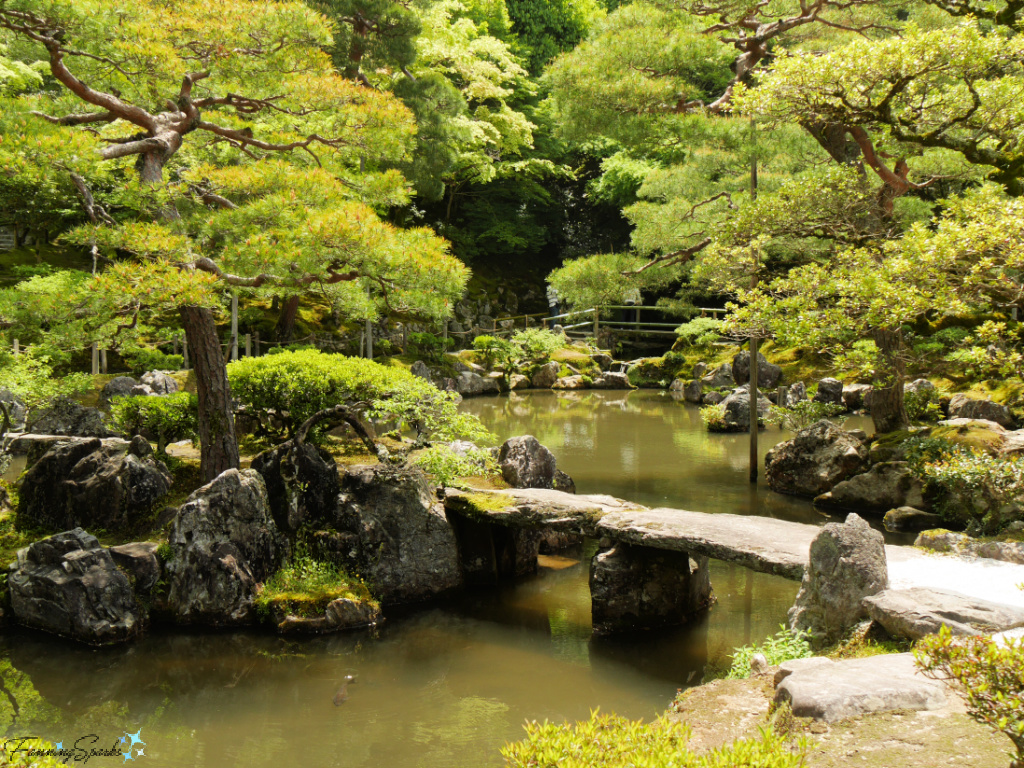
<point>885,486</point>
<point>1014,443</point>
<point>768,374</point>
<point>699,369</point>
<point>546,375</point>
<point>525,463</point>
<point>69,585</point>
<point>914,613</point>
<point>829,391</point>
<point>815,460</point>
<point>787,668</point>
<point>795,393</point>
<point>737,409</point>
<point>940,540</point>
<point>612,381</point>
<point>224,543</point>
<point>720,378</point>
<point>847,563</point>
<point>401,540</point>
<point>604,362</point>
<point>845,689</point>
<point>340,614</point>
<point>419,368</point>
<point>918,387</point>
<point>693,391</point>
<point>84,483</point>
<point>139,559</point>
<point>534,507</point>
<point>570,382</point>
<point>910,519</point>
<point>161,383</point>
<point>119,386</point>
<point>517,381</point>
<point>854,396</point>
<point>712,398</point>
<point>66,417</point>
<point>961,406</point>
<point>302,484</point>
<point>635,588</point>
<point>469,384</point>
<point>16,409</point>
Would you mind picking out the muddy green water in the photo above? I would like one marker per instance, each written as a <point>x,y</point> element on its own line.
<point>444,686</point>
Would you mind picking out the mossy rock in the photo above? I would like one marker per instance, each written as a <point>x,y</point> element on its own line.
<point>973,436</point>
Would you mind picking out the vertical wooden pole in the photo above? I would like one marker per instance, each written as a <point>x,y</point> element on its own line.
<point>184,354</point>
<point>103,361</point>
<point>256,343</point>
<point>17,347</point>
<point>369,340</point>
<point>248,345</point>
<point>405,338</point>
<point>597,322</point>
<point>95,358</point>
<point>234,326</point>
<point>362,343</point>
<point>753,341</point>
<point>783,396</point>
<point>446,333</point>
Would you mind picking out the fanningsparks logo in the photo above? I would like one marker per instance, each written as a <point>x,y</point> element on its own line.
<point>129,746</point>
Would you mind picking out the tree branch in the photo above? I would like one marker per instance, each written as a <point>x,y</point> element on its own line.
<point>342,414</point>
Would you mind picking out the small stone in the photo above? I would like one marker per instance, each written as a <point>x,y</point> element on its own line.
<point>758,664</point>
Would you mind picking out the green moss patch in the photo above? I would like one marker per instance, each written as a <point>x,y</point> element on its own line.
<point>970,436</point>
<point>305,586</point>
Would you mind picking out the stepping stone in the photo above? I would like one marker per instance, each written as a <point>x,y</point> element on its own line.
<point>844,689</point>
<point>914,613</point>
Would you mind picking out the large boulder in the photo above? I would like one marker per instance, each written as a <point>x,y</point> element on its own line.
<point>302,484</point>
<point>570,382</point>
<point>768,374</point>
<point>420,369</point>
<point>693,391</point>
<point>720,378</point>
<point>159,382</point>
<point>69,585</point>
<point>224,542</point>
<point>855,396</point>
<point>963,407</point>
<point>66,417</point>
<point>525,463</point>
<point>737,410</point>
<point>815,460</point>
<point>795,393</point>
<point>86,483</point>
<point>16,409</point>
<point>910,519</point>
<point>394,533</point>
<point>612,381</point>
<point>885,486</point>
<point>829,391</point>
<point>469,384</point>
<point>847,563</point>
<point>546,376</point>
<point>914,613</point>
<point>119,386</point>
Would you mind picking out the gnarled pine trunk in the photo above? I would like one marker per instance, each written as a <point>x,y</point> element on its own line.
<point>887,409</point>
<point>286,320</point>
<point>219,448</point>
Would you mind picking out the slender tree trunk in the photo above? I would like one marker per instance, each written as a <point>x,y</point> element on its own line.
<point>286,320</point>
<point>887,408</point>
<point>219,448</point>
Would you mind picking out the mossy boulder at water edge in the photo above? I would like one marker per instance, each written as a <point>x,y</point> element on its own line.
<point>815,460</point>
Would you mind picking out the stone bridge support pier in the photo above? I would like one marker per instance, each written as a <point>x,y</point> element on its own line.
<point>493,553</point>
<point>635,588</point>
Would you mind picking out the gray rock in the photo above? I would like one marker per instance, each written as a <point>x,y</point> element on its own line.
<point>612,381</point>
<point>302,484</point>
<point>85,483</point>
<point>604,362</point>
<point>914,613</point>
<point>120,386</point>
<point>712,398</point>
<point>787,668</point>
<point>562,482</point>
<point>917,386</point>
<point>397,535</point>
<point>961,406</point>
<point>419,368</point>
<point>224,542</point>
<point>693,392</point>
<point>768,374</point>
<point>469,384</point>
<point>847,563</point>
<point>1014,443</point>
<point>517,381</point>
<point>720,378</point>
<point>139,559</point>
<point>635,588</point>
<point>570,382</point>
<point>854,687</point>
<point>940,540</point>
<point>142,390</point>
<point>545,376</point>
<point>525,463</point>
<point>69,585</point>
<point>815,460</point>
<point>758,664</point>
<point>340,614</point>
<point>854,396</point>
<point>66,417</point>
<point>796,393</point>
<point>16,408</point>
<point>910,519</point>
<point>737,409</point>
<point>885,486</point>
<point>829,391</point>
<point>139,447</point>
<point>699,369</point>
<point>677,385</point>
<point>160,382</point>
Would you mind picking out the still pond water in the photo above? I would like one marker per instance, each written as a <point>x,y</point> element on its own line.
<point>444,686</point>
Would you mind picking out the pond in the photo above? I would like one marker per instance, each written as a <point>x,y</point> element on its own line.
<point>447,685</point>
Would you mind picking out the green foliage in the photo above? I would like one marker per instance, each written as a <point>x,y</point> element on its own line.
<point>786,644</point>
<point>31,379</point>
<point>429,347</point>
<point>976,489</point>
<point>713,417</point>
<point>170,417</point>
<point>988,674</point>
<point>496,351</point>
<point>143,359</point>
<point>447,466</point>
<point>700,332</point>
<point>610,741</point>
<point>292,386</point>
<point>548,28</point>
<point>923,405</point>
<point>537,344</point>
<point>803,414</point>
<point>305,586</point>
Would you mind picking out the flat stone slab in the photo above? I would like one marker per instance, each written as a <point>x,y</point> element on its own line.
<point>914,613</point>
<point>844,689</point>
<point>787,668</point>
<point>759,543</point>
<point>537,508</point>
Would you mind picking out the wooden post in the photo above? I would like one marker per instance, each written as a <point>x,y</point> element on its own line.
<point>597,322</point>
<point>753,341</point>
<point>103,361</point>
<point>248,345</point>
<point>369,340</point>
<point>256,343</point>
<point>95,358</point>
<point>174,347</point>
<point>234,326</point>
<point>783,396</point>
<point>362,343</point>
<point>17,347</point>
<point>184,354</point>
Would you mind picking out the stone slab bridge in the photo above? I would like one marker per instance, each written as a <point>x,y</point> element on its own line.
<point>655,573</point>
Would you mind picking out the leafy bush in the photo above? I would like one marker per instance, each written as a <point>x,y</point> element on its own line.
<point>980,491</point>
<point>786,644</point>
<point>292,386</point>
<point>610,741</point>
<point>496,352</point>
<point>802,414</point>
<point>700,332</point>
<point>31,380</point>
<point>25,271</point>
<point>429,347</point>
<point>713,417</point>
<point>989,675</point>
<point>536,344</point>
<point>143,359</point>
<point>305,586</point>
<point>923,405</point>
<point>447,466</point>
<point>170,418</point>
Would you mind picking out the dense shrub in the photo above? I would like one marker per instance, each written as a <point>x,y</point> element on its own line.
<point>169,418</point>
<point>989,675</point>
<point>142,359</point>
<point>610,741</point>
<point>31,380</point>
<point>429,347</point>
<point>786,644</point>
<point>446,465</point>
<point>699,332</point>
<point>923,405</point>
<point>292,386</point>
<point>802,414</point>
<point>713,418</point>
<point>496,352</point>
<point>537,344</point>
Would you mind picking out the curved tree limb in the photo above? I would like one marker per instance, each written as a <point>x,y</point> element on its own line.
<point>342,414</point>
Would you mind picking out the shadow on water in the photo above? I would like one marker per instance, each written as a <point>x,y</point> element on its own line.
<point>444,685</point>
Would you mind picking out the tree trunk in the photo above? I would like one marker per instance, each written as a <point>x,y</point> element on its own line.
<point>286,320</point>
<point>219,449</point>
<point>887,409</point>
